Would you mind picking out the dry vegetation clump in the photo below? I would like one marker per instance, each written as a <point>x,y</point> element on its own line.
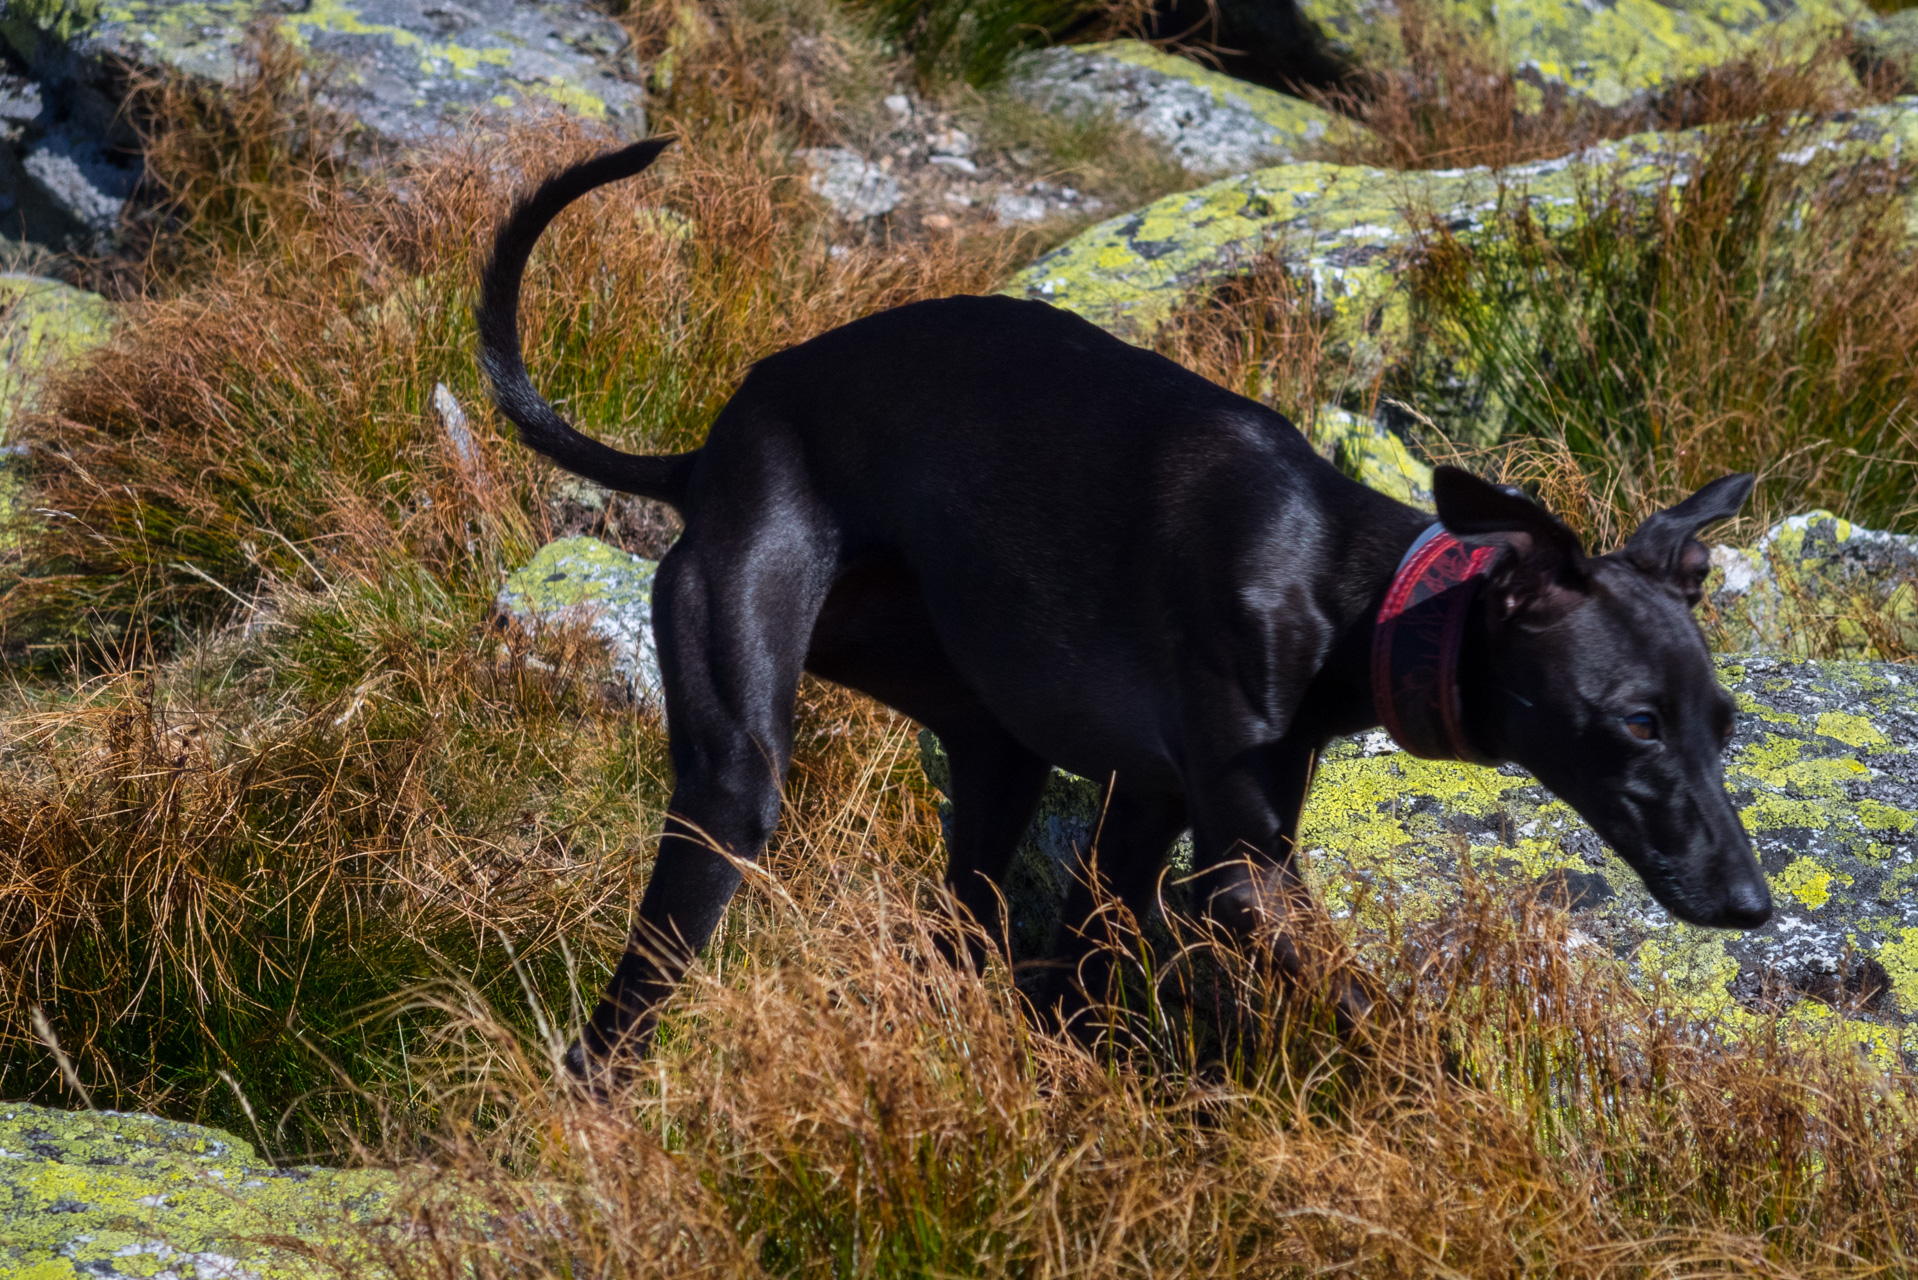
<point>246,520</point>
<point>1756,313</point>
<point>1259,334</point>
<point>830,1098</point>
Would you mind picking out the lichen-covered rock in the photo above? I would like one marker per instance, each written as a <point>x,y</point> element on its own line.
<point>1890,48</point>
<point>410,69</point>
<point>1346,229</point>
<point>100,1193</point>
<point>1824,769</point>
<point>1370,453</point>
<point>1816,584</point>
<point>42,322</point>
<point>583,581</point>
<point>1211,122</point>
<point>1616,56</point>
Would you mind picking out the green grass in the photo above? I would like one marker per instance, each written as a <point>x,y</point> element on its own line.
<point>1759,317</point>
<point>973,40</point>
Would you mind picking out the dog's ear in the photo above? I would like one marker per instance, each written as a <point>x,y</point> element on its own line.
<point>1664,546</point>
<point>1543,568</point>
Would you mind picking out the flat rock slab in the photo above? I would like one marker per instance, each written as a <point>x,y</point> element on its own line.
<point>584,582</point>
<point>1211,122</point>
<point>1824,768</point>
<point>410,69</point>
<point>106,1194</point>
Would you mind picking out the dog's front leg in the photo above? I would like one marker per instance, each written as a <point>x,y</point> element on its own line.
<point>1247,867</point>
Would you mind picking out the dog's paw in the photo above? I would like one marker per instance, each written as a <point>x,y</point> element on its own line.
<point>598,1079</point>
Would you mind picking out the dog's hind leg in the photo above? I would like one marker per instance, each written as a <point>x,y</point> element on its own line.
<point>732,615</point>
<point>875,635</point>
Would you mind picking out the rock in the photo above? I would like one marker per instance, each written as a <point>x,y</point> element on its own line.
<point>1367,451</point>
<point>1825,771</point>
<point>410,69</point>
<point>61,184</point>
<point>582,581</point>
<point>42,322</point>
<point>101,1193</point>
<point>1345,228</point>
<point>1617,57</point>
<point>1817,584</point>
<point>1889,47</point>
<point>1211,122</point>
<point>1011,207</point>
<point>856,188</point>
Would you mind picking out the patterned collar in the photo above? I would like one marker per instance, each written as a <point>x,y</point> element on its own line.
<point>1415,646</point>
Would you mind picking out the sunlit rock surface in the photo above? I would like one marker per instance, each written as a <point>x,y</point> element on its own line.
<point>410,69</point>
<point>585,582</point>
<point>110,1195</point>
<point>1823,771</point>
<point>1616,55</point>
<point>1211,122</point>
<point>1816,583</point>
<point>42,323</point>
<point>1347,229</point>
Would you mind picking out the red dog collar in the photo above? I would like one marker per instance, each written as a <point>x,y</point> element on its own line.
<point>1415,645</point>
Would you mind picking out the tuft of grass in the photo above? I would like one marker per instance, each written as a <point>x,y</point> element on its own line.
<point>1757,314</point>
<point>1259,334</point>
<point>1090,151</point>
<point>971,41</point>
<point>269,765</point>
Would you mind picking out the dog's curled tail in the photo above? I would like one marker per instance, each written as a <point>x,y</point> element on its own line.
<point>540,427</point>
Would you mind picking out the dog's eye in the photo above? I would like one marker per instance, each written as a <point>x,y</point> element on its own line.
<point>1642,726</point>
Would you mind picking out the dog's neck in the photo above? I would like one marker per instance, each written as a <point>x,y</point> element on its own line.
<point>1417,640</point>
<point>1343,699</point>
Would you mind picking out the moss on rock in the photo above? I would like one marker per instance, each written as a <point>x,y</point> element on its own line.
<point>410,72</point>
<point>1824,769</point>
<point>100,1193</point>
<point>1346,229</point>
<point>1817,585</point>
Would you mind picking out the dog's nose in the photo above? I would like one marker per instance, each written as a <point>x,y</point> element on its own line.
<point>1747,904</point>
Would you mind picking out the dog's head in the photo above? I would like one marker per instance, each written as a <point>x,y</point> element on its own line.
<point>1592,673</point>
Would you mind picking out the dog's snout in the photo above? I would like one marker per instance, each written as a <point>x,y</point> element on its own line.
<point>1747,904</point>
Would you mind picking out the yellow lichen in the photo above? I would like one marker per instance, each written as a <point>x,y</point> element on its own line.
<point>1852,730</point>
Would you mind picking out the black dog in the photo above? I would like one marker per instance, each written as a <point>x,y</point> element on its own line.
<point>1052,547</point>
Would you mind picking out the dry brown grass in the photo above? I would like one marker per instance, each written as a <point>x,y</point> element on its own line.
<point>1259,334</point>
<point>256,459</point>
<point>831,1099</point>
